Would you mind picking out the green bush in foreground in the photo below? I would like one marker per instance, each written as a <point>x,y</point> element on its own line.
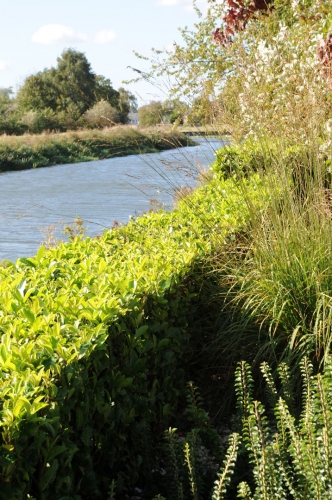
<point>94,342</point>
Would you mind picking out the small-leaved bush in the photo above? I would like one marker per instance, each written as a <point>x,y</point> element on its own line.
<point>280,453</point>
<point>290,456</point>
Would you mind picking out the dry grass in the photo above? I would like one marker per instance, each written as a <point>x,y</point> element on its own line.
<point>121,131</point>
<point>28,151</point>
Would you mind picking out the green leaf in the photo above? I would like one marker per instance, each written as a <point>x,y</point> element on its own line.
<point>29,314</point>
<point>124,382</point>
<point>27,262</point>
<point>49,475</point>
<point>55,451</point>
<point>162,343</point>
<point>40,253</point>
<point>21,403</point>
<point>87,435</point>
<point>141,331</point>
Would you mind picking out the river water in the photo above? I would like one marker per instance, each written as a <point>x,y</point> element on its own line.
<point>36,202</point>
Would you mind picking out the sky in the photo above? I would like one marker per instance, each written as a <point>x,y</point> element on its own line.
<point>33,33</point>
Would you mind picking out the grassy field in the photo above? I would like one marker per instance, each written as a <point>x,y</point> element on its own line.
<point>32,151</point>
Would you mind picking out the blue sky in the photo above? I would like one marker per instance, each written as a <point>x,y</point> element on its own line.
<point>33,33</point>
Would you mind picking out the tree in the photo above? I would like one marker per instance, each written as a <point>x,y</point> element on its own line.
<point>237,16</point>
<point>193,69</point>
<point>127,103</point>
<point>105,92</point>
<point>174,111</point>
<point>6,93</point>
<point>102,114</point>
<point>201,112</point>
<point>150,114</point>
<point>75,82</point>
<point>71,88</point>
<point>6,100</point>
<point>38,92</point>
<point>270,51</point>
<point>9,121</point>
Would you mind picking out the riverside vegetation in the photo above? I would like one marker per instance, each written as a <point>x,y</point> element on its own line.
<point>102,338</point>
<point>69,114</point>
<point>43,150</point>
<point>95,345</point>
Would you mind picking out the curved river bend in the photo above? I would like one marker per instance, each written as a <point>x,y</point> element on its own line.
<point>99,192</point>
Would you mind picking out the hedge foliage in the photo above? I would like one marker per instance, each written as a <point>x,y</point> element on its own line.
<point>253,156</point>
<point>94,343</point>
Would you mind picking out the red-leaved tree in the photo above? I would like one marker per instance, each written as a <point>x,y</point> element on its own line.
<point>237,17</point>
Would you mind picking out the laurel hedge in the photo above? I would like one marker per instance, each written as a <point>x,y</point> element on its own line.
<point>94,346</point>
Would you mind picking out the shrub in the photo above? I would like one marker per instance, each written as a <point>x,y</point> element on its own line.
<point>12,126</point>
<point>150,114</point>
<point>278,455</point>
<point>294,460</point>
<point>102,114</point>
<point>39,121</point>
<point>94,346</point>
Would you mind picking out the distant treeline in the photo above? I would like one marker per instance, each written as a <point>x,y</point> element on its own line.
<point>67,97</point>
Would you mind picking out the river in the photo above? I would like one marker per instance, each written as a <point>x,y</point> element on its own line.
<point>35,202</point>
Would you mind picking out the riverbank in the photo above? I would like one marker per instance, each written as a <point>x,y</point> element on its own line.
<point>215,130</point>
<point>44,150</point>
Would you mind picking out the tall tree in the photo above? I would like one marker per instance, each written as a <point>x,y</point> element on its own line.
<point>127,103</point>
<point>38,92</point>
<point>105,92</point>
<point>75,82</point>
<point>70,87</point>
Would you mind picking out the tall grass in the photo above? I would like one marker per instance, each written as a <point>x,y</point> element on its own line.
<point>27,151</point>
<point>275,279</point>
<point>117,132</point>
<point>286,281</point>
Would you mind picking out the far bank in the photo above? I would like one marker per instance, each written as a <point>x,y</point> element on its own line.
<point>44,150</point>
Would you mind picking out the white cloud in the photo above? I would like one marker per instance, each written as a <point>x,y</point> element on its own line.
<point>4,65</point>
<point>104,36</point>
<point>57,33</point>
